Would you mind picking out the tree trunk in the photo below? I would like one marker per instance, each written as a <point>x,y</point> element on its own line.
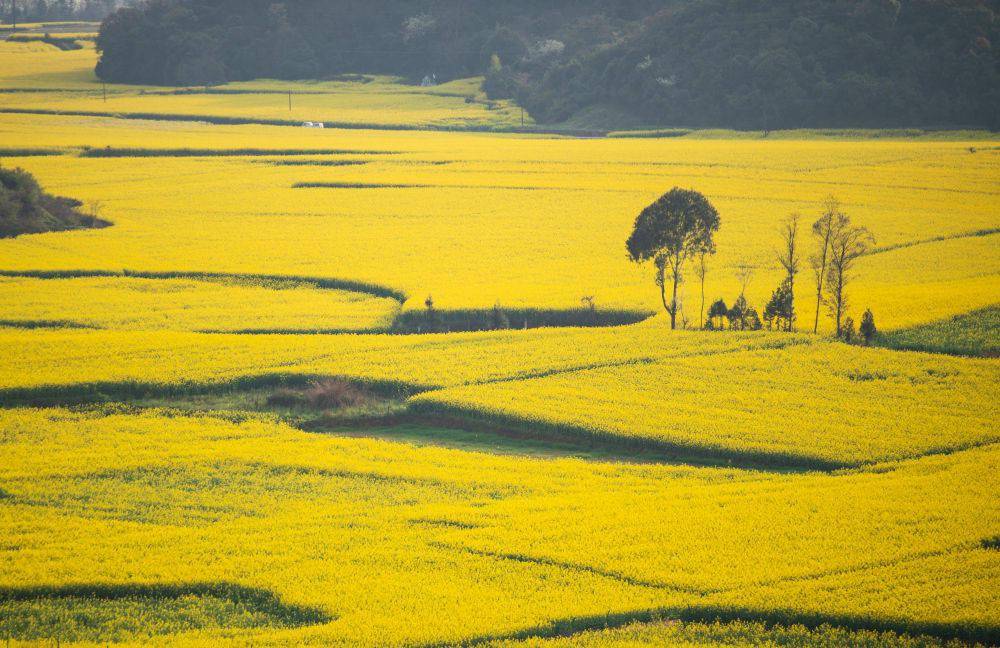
<point>701,313</point>
<point>663,290</point>
<point>673,305</point>
<point>838,300</point>
<point>819,300</point>
<point>838,319</point>
<point>820,278</point>
<point>791,301</point>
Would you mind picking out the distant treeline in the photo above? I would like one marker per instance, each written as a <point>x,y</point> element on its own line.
<point>755,64</point>
<point>24,11</point>
<point>198,42</point>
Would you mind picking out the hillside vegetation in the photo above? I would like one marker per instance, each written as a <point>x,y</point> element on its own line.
<point>974,334</point>
<point>26,209</point>
<point>712,63</point>
<point>791,63</point>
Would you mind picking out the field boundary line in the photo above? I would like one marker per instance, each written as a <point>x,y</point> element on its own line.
<point>321,283</point>
<point>569,566</point>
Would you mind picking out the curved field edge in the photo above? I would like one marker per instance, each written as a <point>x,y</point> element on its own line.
<point>401,368</point>
<point>138,394</point>
<point>536,428</point>
<point>133,611</point>
<point>775,609</point>
<point>975,334</point>
<point>236,447</point>
<point>739,626</point>
<point>674,405</point>
<point>126,390</point>
<point>375,290</point>
<point>416,406</point>
<point>403,322</point>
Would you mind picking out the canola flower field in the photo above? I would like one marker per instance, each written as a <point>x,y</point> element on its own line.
<point>584,485</point>
<point>64,81</point>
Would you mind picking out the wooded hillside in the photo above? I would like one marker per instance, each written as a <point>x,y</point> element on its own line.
<point>723,63</point>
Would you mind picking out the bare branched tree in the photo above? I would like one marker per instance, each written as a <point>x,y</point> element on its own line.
<point>822,231</point>
<point>788,257</point>
<point>847,244</point>
<point>744,274</point>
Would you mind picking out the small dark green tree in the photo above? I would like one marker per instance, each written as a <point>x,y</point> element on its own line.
<point>768,315</point>
<point>847,332</point>
<point>717,313</point>
<point>780,310</point>
<point>737,314</point>
<point>867,328</point>
<point>678,226</point>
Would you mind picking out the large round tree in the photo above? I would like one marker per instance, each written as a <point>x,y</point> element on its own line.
<point>678,226</point>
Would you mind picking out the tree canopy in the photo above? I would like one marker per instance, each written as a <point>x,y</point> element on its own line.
<point>679,225</point>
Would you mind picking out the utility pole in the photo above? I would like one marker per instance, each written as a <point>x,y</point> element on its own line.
<point>522,116</point>
<point>289,100</point>
<point>104,87</point>
<point>13,15</point>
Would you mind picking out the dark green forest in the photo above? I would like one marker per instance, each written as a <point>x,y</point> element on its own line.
<point>748,64</point>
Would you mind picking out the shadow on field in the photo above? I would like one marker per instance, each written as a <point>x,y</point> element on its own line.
<point>973,633</point>
<point>115,612</point>
<point>381,409</point>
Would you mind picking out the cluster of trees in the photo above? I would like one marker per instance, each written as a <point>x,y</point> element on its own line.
<point>678,230</point>
<point>16,11</point>
<point>197,42</point>
<point>26,209</point>
<point>754,64</point>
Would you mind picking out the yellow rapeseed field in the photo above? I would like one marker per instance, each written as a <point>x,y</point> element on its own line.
<point>65,81</point>
<point>491,213</point>
<point>43,358</point>
<point>165,479</point>
<point>819,401</point>
<point>393,544</point>
<point>189,304</point>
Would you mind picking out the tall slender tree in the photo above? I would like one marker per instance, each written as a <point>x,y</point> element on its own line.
<point>822,232</point>
<point>678,226</point>
<point>847,244</point>
<point>744,270</point>
<point>701,271</point>
<point>788,257</point>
